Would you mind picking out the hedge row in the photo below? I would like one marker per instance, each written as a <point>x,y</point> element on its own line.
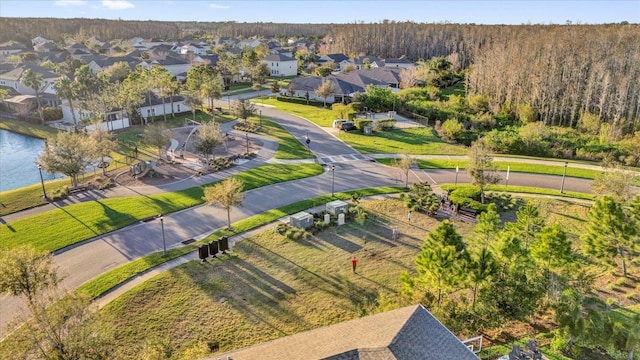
<point>300,101</point>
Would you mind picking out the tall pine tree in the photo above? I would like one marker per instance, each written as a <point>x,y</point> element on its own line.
<point>610,232</point>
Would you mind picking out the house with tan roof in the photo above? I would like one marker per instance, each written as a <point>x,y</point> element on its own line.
<point>408,333</point>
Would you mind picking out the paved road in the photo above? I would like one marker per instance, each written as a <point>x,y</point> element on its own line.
<point>91,258</point>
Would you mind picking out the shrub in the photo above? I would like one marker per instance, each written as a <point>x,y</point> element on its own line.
<point>621,281</point>
<point>296,234</point>
<point>384,124</point>
<point>611,301</point>
<point>51,114</point>
<point>300,101</point>
<point>451,128</point>
<point>361,123</point>
<point>629,295</point>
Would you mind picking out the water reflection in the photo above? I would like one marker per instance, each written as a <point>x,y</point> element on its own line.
<point>18,154</point>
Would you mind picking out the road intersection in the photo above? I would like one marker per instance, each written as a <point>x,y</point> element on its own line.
<point>85,261</point>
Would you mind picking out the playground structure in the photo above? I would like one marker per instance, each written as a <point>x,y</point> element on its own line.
<point>147,168</point>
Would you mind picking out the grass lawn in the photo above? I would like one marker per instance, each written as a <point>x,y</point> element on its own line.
<point>525,190</point>
<point>514,167</point>
<point>272,287</point>
<point>65,226</point>
<point>30,129</point>
<point>317,115</point>
<point>289,147</point>
<point>402,141</point>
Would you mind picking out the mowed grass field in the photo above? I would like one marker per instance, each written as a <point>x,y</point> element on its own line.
<point>419,140</point>
<point>273,287</point>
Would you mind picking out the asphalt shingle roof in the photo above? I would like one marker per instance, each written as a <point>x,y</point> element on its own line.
<point>408,333</point>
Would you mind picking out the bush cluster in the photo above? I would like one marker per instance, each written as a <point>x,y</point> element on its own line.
<point>51,114</point>
<point>296,100</point>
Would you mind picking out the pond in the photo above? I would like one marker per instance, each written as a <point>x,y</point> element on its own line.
<point>18,154</point>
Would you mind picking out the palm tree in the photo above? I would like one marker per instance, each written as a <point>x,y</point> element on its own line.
<point>67,89</point>
<point>34,80</point>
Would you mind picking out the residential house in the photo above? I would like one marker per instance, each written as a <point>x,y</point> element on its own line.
<point>151,43</point>
<point>346,85</point>
<point>57,57</point>
<point>151,107</point>
<point>339,59</point>
<point>407,333</point>
<point>39,40</point>
<point>361,62</point>
<point>99,63</point>
<point>281,65</point>
<point>192,48</point>
<point>251,43</point>
<point>399,63</point>
<point>46,47</point>
<point>11,48</point>
<point>282,51</point>
<point>175,64</point>
<point>78,51</point>
<point>12,79</point>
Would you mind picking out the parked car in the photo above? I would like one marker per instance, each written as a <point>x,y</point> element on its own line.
<point>347,126</point>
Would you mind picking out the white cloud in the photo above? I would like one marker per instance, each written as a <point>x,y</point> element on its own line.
<point>69,2</point>
<point>216,6</point>
<point>117,4</point>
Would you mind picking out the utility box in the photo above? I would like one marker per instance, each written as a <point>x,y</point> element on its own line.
<point>367,130</point>
<point>337,207</point>
<point>301,220</point>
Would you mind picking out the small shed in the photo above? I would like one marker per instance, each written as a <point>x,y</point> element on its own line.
<point>337,207</point>
<point>301,220</point>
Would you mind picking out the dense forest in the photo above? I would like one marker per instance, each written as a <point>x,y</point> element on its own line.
<point>561,71</point>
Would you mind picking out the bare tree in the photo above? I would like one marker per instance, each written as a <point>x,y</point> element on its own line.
<point>481,168</point>
<point>157,136</point>
<point>404,164</point>
<point>226,195</point>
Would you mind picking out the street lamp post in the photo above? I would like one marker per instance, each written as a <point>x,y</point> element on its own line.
<point>507,178</point>
<point>308,141</point>
<point>260,112</point>
<point>564,175</point>
<point>247,135</point>
<point>457,171</point>
<point>44,191</point>
<point>164,243</point>
<point>333,178</point>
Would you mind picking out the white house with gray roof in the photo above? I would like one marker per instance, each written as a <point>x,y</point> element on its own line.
<point>281,65</point>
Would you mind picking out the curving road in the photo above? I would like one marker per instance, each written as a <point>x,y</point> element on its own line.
<point>91,258</point>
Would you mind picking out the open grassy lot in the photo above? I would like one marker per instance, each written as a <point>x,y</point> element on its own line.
<point>272,287</point>
<point>71,224</point>
<point>402,141</point>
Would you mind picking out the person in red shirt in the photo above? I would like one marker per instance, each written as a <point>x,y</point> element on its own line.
<point>354,263</point>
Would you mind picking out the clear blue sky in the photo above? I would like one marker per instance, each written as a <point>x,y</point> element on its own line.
<point>470,11</point>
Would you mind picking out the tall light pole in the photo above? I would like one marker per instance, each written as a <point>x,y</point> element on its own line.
<point>308,141</point>
<point>44,192</point>
<point>247,135</point>
<point>260,112</point>
<point>457,171</point>
<point>333,178</point>
<point>508,168</point>
<point>164,243</point>
<point>564,175</point>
